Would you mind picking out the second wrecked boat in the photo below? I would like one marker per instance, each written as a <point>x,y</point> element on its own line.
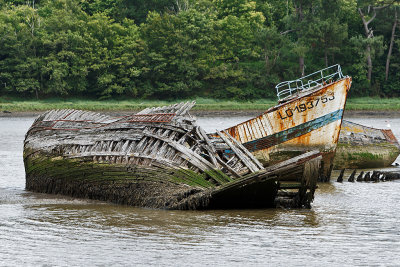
<point>360,147</point>
<point>158,158</point>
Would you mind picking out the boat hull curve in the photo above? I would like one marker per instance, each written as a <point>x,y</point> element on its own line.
<point>307,121</point>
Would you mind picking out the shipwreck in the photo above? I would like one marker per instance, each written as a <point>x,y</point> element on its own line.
<point>365,147</point>
<point>308,117</point>
<point>159,158</point>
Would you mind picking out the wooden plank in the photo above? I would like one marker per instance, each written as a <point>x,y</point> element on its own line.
<point>242,134</point>
<point>252,167</point>
<point>228,168</point>
<point>187,154</point>
<point>185,108</point>
<point>272,171</point>
<point>298,160</point>
<point>244,150</point>
<point>212,153</point>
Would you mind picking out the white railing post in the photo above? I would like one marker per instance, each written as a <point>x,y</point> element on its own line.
<point>285,88</point>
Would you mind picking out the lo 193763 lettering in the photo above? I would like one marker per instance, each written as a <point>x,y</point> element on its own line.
<point>308,105</point>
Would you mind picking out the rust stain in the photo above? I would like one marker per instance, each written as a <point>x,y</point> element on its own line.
<point>242,133</point>
<point>390,136</point>
<point>260,128</point>
<point>295,112</point>
<point>249,127</point>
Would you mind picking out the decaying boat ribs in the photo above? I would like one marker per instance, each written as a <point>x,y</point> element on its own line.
<point>360,146</point>
<point>157,158</point>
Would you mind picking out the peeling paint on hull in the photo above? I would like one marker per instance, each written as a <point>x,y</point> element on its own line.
<point>309,120</point>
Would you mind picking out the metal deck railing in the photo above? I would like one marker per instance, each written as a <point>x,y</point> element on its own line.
<point>318,78</point>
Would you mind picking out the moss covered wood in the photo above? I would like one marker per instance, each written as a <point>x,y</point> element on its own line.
<point>156,158</point>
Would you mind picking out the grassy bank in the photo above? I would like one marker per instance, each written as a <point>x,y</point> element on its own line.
<point>21,105</point>
<point>18,105</point>
<point>373,103</point>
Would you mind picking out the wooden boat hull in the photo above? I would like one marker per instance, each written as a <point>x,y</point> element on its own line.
<point>361,147</point>
<point>157,159</point>
<point>310,120</point>
<point>155,187</point>
<point>144,187</point>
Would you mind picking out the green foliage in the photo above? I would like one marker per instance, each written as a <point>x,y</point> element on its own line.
<point>136,10</point>
<point>168,49</point>
<point>177,53</point>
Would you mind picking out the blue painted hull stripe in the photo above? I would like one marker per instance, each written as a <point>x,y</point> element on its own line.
<point>299,130</point>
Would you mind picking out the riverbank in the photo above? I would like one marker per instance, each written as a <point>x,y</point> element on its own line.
<point>379,114</point>
<point>358,107</point>
<point>203,104</point>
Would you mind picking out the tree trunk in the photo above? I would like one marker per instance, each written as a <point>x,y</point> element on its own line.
<point>369,34</point>
<point>391,46</point>
<point>369,63</point>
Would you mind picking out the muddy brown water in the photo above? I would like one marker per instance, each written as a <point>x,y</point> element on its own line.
<point>349,223</point>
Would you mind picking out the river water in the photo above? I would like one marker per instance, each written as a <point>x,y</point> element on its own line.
<point>349,224</point>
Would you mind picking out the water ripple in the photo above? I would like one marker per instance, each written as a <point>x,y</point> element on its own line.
<point>350,224</point>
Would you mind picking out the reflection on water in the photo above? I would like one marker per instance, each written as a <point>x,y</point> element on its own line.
<point>349,224</point>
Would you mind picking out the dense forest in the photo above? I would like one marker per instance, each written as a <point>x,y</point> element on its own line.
<point>166,49</point>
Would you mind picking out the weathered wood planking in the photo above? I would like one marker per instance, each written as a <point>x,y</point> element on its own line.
<point>157,158</point>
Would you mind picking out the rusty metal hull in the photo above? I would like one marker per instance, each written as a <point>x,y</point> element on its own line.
<point>360,146</point>
<point>307,121</point>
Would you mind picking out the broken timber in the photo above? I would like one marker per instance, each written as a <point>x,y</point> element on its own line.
<point>158,158</point>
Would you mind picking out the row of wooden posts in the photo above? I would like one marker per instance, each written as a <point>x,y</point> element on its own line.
<point>374,176</point>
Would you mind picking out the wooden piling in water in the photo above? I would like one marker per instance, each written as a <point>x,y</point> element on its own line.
<point>376,176</point>
<point>351,178</point>
<point>360,177</point>
<point>340,177</point>
<point>367,177</point>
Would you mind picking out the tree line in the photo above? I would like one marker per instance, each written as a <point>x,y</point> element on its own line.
<point>168,49</point>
